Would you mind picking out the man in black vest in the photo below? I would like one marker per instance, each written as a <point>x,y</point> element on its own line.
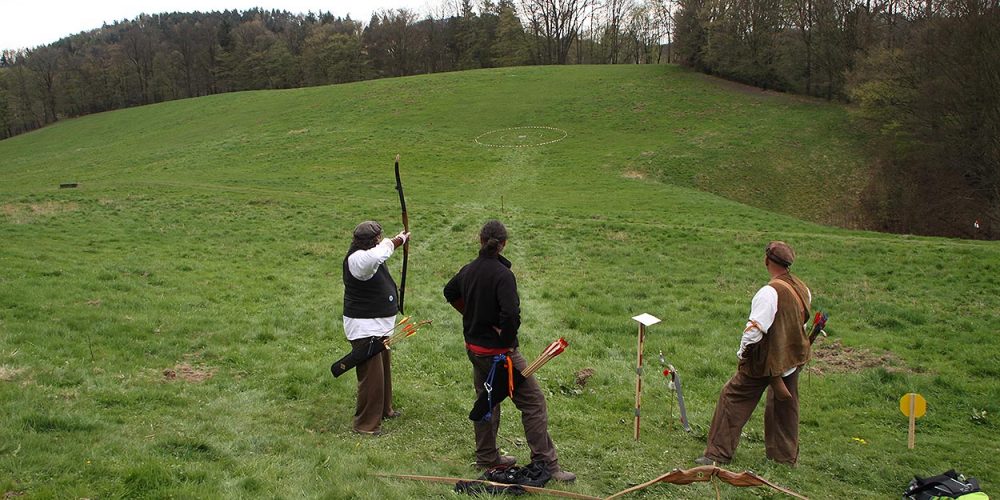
<point>370,307</point>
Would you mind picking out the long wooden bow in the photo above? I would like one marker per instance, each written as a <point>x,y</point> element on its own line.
<point>706,473</point>
<point>456,480</point>
<point>406,245</point>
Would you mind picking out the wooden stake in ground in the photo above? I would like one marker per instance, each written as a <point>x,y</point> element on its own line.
<point>912,405</point>
<point>644,320</point>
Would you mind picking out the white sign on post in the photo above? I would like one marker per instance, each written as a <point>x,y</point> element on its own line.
<point>644,319</point>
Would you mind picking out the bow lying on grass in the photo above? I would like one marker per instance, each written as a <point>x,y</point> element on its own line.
<point>492,396</point>
<point>403,329</point>
<point>707,473</point>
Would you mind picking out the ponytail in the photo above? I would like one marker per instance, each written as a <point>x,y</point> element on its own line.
<point>491,237</point>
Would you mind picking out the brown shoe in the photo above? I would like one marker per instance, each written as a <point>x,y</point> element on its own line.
<point>564,476</point>
<point>393,414</point>
<point>503,460</point>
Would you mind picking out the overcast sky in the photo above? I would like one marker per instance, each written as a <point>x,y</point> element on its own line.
<point>30,23</point>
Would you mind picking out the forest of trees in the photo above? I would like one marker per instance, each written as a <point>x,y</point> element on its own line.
<point>924,76</point>
<point>169,56</point>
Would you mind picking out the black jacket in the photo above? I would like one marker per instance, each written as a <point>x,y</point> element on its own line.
<point>489,290</point>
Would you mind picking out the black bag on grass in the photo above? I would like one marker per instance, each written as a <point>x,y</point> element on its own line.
<point>534,474</point>
<point>948,485</point>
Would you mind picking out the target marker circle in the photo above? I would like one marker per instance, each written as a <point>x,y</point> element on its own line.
<point>521,137</point>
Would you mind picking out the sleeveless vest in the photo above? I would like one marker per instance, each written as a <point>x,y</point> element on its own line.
<point>785,344</point>
<point>375,298</point>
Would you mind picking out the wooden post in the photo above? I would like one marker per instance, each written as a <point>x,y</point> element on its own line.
<point>644,320</point>
<point>912,438</point>
<point>638,378</point>
<point>914,406</point>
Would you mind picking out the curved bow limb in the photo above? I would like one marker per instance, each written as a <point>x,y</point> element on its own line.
<point>707,473</point>
<point>406,245</point>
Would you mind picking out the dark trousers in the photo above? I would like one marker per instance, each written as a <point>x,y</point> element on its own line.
<point>374,390</point>
<point>737,402</point>
<point>529,399</point>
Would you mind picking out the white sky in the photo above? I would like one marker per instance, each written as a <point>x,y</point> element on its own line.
<point>30,23</point>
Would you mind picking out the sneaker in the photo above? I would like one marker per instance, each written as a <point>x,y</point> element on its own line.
<point>506,460</point>
<point>564,476</point>
<point>393,414</point>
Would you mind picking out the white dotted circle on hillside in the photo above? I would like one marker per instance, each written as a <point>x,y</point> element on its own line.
<point>521,137</point>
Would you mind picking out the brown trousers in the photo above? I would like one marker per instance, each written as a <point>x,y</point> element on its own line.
<point>737,402</point>
<point>529,399</point>
<point>374,390</point>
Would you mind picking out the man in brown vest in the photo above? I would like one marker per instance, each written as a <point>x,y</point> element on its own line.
<point>773,347</point>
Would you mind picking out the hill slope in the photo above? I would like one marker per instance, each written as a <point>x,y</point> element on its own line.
<point>165,328</point>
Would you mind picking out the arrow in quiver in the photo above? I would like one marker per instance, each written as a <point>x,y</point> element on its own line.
<point>359,354</point>
<point>495,393</point>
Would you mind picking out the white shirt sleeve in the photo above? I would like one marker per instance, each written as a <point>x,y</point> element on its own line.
<point>364,263</point>
<point>762,311</point>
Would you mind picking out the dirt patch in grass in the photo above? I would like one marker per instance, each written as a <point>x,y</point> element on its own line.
<point>8,374</point>
<point>834,357</point>
<point>633,174</point>
<point>583,375</point>
<point>26,213</point>
<point>188,373</point>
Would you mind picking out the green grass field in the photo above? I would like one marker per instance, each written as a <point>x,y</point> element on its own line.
<point>166,328</point>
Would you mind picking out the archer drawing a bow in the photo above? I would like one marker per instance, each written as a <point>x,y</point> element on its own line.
<point>495,393</point>
<point>403,329</point>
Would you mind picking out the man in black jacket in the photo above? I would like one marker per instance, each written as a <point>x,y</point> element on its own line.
<point>485,292</point>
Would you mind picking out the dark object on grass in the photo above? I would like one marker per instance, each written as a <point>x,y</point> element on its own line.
<point>477,488</point>
<point>530,489</point>
<point>948,485</point>
<point>534,474</point>
<point>65,185</point>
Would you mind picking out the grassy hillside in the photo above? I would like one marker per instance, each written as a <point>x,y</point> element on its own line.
<point>166,328</point>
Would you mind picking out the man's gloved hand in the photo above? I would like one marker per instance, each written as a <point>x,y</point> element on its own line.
<point>401,238</point>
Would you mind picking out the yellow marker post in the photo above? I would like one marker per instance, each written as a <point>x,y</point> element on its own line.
<point>912,405</point>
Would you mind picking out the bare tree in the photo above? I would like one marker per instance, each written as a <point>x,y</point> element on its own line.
<point>556,25</point>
